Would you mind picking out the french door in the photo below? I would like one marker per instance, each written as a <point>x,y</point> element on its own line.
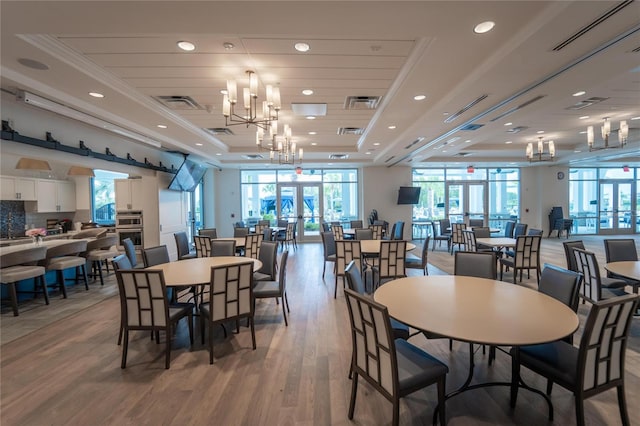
<point>466,200</point>
<point>616,215</point>
<point>301,203</point>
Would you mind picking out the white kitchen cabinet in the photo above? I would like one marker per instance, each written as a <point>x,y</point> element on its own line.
<point>129,194</point>
<point>17,188</point>
<point>56,196</point>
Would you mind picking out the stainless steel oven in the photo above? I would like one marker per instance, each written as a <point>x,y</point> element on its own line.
<point>136,236</point>
<point>128,219</point>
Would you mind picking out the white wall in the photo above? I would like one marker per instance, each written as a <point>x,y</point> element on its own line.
<point>541,190</point>
<point>228,200</point>
<point>380,191</point>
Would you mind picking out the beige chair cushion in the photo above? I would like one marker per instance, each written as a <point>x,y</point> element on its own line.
<point>96,255</point>
<point>90,233</point>
<point>65,262</point>
<point>17,273</point>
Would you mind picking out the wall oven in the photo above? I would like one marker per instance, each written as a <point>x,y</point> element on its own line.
<point>129,219</point>
<point>135,235</point>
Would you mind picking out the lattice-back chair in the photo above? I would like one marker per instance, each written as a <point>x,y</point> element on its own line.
<point>469,240</point>
<point>264,222</point>
<point>338,232</point>
<point>364,234</point>
<point>377,231</point>
<point>208,232</point>
<point>252,245</point>
<point>231,299</point>
<point>595,287</point>
<point>289,236</point>
<point>395,368</point>
<point>527,257</point>
<point>390,263</point>
<point>259,229</point>
<point>346,251</point>
<point>22,265</point>
<point>597,365</point>
<point>457,238</point>
<point>144,306</point>
<point>328,250</point>
<point>203,246</point>
<point>568,253</point>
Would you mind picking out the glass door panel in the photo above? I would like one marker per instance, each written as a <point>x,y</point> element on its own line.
<point>615,215</point>
<point>466,200</point>
<point>455,202</point>
<point>301,203</point>
<point>476,202</point>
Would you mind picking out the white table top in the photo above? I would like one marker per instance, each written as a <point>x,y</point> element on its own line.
<point>240,241</point>
<point>497,242</point>
<point>629,269</point>
<point>477,310</point>
<point>197,271</point>
<point>373,246</point>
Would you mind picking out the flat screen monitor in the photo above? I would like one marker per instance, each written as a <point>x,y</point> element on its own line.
<point>188,177</point>
<point>409,195</point>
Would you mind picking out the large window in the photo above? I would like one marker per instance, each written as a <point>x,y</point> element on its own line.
<point>103,196</point>
<point>259,192</point>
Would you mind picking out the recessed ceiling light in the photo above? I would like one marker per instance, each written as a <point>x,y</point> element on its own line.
<point>540,132</point>
<point>198,144</point>
<point>580,93</point>
<point>314,143</point>
<point>584,117</point>
<point>223,91</point>
<point>302,47</point>
<point>508,124</point>
<point>311,117</point>
<point>368,152</point>
<point>392,127</point>
<point>307,92</point>
<point>186,46</point>
<point>635,118</point>
<point>484,27</point>
<point>467,141</point>
<point>584,132</point>
<point>444,150</point>
<point>329,164</point>
<point>376,144</point>
<point>508,142</point>
<point>162,126</point>
<point>313,133</point>
<point>420,97</point>
<point>217,153</point>
<point>228,46</point>
<point>96,94</point>
<point>576,150</point>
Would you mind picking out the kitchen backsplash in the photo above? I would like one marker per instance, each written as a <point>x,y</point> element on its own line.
<point>14,218</point>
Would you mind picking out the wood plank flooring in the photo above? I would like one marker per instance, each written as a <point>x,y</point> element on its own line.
<point>60,365</point>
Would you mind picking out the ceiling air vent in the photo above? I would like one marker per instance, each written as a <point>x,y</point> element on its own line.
<point>462,154</point>
<point>338,156</point>
<point>390,158</point>
<point>517,129</point>
<point>350,130</point>
<point>471,126</point>
<point>219,131</point>
<point>253,156</point>
<point>362,102</point>
<point>586,103</point>
<point>178,102</point>
<point>420,139</point>
<point>519,107</point>
<point>465,108</point>
<point>636,50</point>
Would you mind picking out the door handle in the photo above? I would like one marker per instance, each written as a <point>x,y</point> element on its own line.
<point>299,216</point>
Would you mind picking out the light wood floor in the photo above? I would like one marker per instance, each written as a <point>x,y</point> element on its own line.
<point>60,365</point>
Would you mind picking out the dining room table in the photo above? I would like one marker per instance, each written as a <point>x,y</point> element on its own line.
<point>240,241</point>
<point>629,269</point>
<point>497,243</point>
<point>197,271</point>
<point>478,311</point>
<point>372,247</point>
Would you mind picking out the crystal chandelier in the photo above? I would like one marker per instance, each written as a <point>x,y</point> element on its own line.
<point>541,155</point>
<point>605,131</point>
<point>270,107</point>
<point>281,148</point>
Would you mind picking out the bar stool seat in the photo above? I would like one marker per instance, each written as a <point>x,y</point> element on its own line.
<point>66,256</point>
<point>21,266</point>
<point>99,251</point>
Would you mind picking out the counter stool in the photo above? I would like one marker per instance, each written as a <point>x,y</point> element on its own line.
<point>66,256</point>
<point>22,265</point>
<point>98,251</point>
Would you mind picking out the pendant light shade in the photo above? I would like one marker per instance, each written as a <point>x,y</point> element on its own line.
<point>32,164</point>
<point>80,171</point>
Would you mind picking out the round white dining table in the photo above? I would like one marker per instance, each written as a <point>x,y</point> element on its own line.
<point>190,272</point>
<point>240,241</point>
<point>373,246</point>
<point>628,269</point>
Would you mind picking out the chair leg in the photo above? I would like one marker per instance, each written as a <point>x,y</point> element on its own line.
<point>210,344</point>
<point>125,346</point>
<point>284,312</point>
<point>396,412</point>
<point>549,386</point>
<point>354,390</point>
<point>167,361</point>
<point>335,292</point>
<point>100,273</point>
<point>190,319</point>
<point>14,298</point>
<point>515,377</point>
<point>442,384</point>
<point>63,288</point>
<point>324,266</point>
<point>622,404</point>
<point>45,291</point>
<point>253,333</point>
<point>579,402</point>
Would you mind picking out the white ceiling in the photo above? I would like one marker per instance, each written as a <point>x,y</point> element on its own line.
<point>396,50</point>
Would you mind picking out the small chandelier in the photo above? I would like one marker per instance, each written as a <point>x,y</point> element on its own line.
<point>605,130</point>
<point>281,148</point>
<point>541,155</point>
<point>270,107</point>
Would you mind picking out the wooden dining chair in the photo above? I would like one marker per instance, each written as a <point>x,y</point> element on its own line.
<point>252,245</point>
<point>328,250</point>
<point>527,257</point>
<point>594,286</point>
<point>182,246</point>
<point>203,245</point>
<point>152,256</point>
<point>621,250</point>
<point>394,367</point>
<point>391,262</point>
<point>346,251</point>
<point>144,306</point>
<point>275,289</point>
